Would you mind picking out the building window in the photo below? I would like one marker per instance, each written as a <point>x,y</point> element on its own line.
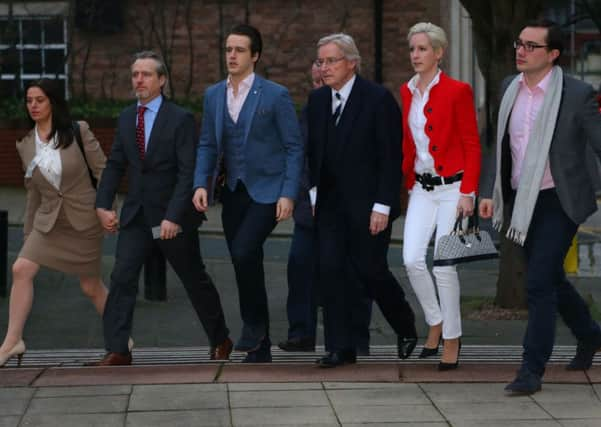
<point>33,44</point>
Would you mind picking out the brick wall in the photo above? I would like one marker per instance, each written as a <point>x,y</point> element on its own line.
<point>290,30</point>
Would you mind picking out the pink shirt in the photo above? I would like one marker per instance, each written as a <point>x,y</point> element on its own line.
<point>235,102</point>
<point>525,109</point>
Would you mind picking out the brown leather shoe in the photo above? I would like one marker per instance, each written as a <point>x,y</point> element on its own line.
<point>112,359</point>
<point>223,350</point>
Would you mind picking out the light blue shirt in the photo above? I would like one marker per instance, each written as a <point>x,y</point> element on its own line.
<point>152,109</point>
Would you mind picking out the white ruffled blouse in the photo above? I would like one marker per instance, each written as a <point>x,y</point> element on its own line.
<point>48,160</point>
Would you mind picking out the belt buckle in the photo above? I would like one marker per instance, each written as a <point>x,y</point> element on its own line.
<point>427,177</point>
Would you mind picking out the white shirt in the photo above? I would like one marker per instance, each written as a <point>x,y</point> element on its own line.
<point>47,159</point>
<point>236,102</point>
<point>424,162</point>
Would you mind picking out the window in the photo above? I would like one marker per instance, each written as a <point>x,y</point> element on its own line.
<point>33,44</point>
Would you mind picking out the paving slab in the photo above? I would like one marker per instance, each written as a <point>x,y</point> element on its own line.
<point>362,385</point>
<point>388,414</point>
<point>128,375</point>
<point>310,415</point>
<point>277,399</point>
<point>584,409</point>
<point>73,420</point>
<point>594,374</point>
<point>14,400</point>
<point>78,405</point>
<point>441,424</point>
<point>273,386</point>
<point>9,421</point>
<point>307,373</point>
<point>204,418</point>
<point>508,423</point>
<point>557,373</point>
<point>466,373</point>
<point>409,394</point>
<point>507,409</point>
<point>178,397</point>
<point>464,393</point>
<point>581,423</point>
<point>18,377</point>
<point>561,393</point>
<point>101,390</point>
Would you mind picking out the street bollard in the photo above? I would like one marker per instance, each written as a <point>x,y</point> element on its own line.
<point>3,252</point>
<point>155,275</point>
<point>570,263</point>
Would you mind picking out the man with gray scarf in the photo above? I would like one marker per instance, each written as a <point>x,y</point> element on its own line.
<point>546,120</point>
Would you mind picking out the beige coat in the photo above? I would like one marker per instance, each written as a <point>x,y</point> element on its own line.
<point>76,195</point>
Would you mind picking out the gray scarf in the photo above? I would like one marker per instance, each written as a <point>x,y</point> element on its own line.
<point>535,160</point>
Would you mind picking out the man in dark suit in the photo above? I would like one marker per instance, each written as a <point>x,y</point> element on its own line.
<point>250,123</point>
<point>302,301</point>
<point>354,158</point>
<point>546,122</point>
<point>155,143</point>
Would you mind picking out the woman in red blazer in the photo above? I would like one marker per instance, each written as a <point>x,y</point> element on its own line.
<point>441,166</point>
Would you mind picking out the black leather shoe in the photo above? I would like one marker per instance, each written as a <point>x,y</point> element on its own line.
<point>444,366</point>
<point>298,344</point>
<point>337,358</point>
<point>405,346</point>
<point>261,355</point>
<point>525,383</point>
<point>428,352</point>
<point>583,359</point>
<point>250,338</point>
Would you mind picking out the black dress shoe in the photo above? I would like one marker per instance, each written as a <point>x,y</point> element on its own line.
<point>337,358</point>
<point>405,346</point>
<point>298,344</point>
<point>261,355</point>
<point>583,359</point>
<point>445,366</point>
<point>428,352</point>
<point>525,383</point>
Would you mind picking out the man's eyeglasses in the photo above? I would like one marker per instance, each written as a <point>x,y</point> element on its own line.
<point>328,61</point>
<point>528,46</point>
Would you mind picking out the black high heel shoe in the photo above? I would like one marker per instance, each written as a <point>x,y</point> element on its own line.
<point>428,352</point>
<point>444,366</point>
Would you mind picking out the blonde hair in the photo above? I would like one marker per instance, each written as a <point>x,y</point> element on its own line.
<point>346,44</point>
<point>437,36</point>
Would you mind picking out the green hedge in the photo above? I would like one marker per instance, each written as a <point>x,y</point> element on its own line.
<point>12,108</point>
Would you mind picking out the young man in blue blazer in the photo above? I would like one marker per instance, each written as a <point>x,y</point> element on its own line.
<point>251,124</point>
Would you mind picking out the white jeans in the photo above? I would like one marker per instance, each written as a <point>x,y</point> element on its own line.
<point>428,210</point>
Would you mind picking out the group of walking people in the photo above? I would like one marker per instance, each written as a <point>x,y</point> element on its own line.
<point>343,166</point>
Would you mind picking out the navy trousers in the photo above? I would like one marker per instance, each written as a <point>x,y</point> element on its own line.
<point>548,291</point>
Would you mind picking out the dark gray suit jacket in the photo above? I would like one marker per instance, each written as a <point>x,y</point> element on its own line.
<point>578,127</point>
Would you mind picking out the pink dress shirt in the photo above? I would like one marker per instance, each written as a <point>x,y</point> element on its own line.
<point>525,109</point>
<point>235,102</point>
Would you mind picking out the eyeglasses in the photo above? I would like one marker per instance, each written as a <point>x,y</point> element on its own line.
<point>528,46</point>
<point>328,61</point>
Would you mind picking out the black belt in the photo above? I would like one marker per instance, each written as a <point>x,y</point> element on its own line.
<point>428,181</point>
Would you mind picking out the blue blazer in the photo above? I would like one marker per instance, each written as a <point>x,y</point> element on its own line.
<point>272,140</point>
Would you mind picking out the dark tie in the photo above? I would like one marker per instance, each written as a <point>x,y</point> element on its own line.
<point>336,115</point>
<point>140,131</point>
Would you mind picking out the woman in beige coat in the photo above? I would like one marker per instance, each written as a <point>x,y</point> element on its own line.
<point>61,229</point>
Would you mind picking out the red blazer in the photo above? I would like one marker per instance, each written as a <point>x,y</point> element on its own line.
<point>453,132</point>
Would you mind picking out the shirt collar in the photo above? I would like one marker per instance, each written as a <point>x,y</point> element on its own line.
<point>542,85</point>
<point>345,91</point>
<point>412,85</point>
<point>153,105</point>
<point>247,82</point>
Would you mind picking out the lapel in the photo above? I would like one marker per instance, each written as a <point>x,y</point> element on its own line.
<point>27,148</point>
<point>220,111</point>
<point>128,134</point>
<point>159,123</point>
<point>251,102</point>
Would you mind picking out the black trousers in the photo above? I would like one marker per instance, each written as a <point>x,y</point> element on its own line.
<point>246,225</point>
<point>352,263</point>
<point>183,253</point>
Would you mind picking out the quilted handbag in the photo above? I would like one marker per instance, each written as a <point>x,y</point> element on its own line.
<point>465,245</point>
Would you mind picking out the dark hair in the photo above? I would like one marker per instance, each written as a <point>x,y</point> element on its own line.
<point>256,42</point>
<point>554,39</point>
<point>62,125</point>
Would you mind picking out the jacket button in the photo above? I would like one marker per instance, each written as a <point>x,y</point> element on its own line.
<point>430,127</point>
<point>439,168</point>
<point>434,148</point>
<point>429,110</point>
<point>60,194</point>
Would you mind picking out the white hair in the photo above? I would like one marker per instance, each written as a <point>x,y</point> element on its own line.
<point>346,44</point>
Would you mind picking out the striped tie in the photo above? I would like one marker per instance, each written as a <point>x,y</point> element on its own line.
<point>140,131</point>
<point>336,115</point>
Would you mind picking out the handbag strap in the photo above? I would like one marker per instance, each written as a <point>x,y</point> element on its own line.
<point>77,133</point>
